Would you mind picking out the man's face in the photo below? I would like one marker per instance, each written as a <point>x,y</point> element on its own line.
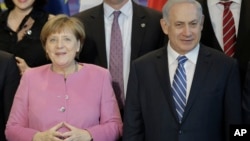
<point>184,27</point>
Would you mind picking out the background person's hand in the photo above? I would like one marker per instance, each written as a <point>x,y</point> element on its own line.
<point>22,65</point>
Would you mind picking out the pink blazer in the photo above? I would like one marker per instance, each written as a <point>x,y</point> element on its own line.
<point>85,100</point>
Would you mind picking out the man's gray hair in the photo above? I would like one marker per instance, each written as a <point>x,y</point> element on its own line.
<point>169,4</point>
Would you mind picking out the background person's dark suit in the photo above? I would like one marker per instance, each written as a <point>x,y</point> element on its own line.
<point>242,52</point>
<point>214,101</point>
<point>9,80</point>
<point>147,34</point>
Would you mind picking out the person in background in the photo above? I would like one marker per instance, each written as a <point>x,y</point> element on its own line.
<point>9,80</point>
<point>65,100</point>
<point>140,33</point>
<point>142,2</point>
<point>70,7</point>
<point>20,31</point>
<point>2,6</point>
<point>184,91</point>
<point>86,4</point>
<point>212,33</point>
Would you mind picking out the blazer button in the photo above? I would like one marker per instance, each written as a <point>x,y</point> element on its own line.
<point>66,97</point>
<point>180,132</point>
<point>62,109</point>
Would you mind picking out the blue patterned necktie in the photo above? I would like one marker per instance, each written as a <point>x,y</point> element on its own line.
<point>116,60</point>
<point>179,87</point>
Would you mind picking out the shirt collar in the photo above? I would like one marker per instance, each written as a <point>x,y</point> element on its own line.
<point>125,10</point>
<point>214,2</point>
<point>191,55</point>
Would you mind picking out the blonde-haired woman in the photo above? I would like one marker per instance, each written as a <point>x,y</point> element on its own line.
<point>65,100</point>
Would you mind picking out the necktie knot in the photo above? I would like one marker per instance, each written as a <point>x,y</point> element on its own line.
<point>182,59</point>
<point>226,4</point>
<point>116,14</point>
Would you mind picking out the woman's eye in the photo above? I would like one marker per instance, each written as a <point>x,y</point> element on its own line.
<point>67,39</point>
<point>52,40</point>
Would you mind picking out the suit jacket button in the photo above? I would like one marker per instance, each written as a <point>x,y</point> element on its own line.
<point>180,131</point>
<point>62,109</point>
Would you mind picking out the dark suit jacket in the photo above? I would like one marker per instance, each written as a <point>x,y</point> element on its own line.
<point>246,97</point>
<point>242,53</point>
<point>9,80</point>
<point>214,101</point>
<point>143,40</point>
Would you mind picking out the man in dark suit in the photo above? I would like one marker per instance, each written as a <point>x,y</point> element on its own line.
<point>140,29</point>
<point>9,80</point>
<point>210,100</point>
<point>212,33</point>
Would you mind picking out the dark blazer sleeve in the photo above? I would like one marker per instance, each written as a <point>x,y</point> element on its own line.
<point>9,81</point>
<point>10,77</point>
<point>133,120</point>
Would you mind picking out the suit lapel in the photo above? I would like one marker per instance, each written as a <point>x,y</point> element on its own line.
<point>243,27</point>
<point>201,70</point>
<point>139,25</point>
<point>202,67</point>
<point>208,29</point>
<point>163,75</point>
<point>98,17</point>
